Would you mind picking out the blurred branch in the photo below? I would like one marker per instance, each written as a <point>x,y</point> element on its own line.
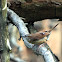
<point>43,50</point>
<point>37,11</point>
<point>16,59</point>
<point>13,36</point>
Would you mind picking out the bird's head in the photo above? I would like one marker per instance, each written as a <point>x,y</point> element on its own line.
<point>45,34</point>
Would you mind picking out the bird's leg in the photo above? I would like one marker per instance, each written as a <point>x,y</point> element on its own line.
<point>42,45</point>
<point>35,48</point>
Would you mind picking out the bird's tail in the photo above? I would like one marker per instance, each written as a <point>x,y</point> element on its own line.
<point>53,27</point>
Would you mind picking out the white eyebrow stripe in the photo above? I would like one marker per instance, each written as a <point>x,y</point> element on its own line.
<point>42,33</point>
<point>5,6</point>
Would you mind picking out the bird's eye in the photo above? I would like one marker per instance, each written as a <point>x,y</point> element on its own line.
<point>46,31</point>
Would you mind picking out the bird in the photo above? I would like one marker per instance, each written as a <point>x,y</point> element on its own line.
<point>39,37</point>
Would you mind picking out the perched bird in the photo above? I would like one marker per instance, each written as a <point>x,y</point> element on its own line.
<point>39,37</point>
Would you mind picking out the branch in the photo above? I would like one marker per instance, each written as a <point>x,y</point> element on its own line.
<point>13,37</point>
<point>38,11</point>
<point>20,25</point>
<point>16,59</point>
<point>43,50</point>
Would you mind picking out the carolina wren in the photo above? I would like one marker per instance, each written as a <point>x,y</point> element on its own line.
<point>39,37</point>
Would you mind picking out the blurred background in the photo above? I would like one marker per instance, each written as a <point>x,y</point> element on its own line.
<point>20,51</point>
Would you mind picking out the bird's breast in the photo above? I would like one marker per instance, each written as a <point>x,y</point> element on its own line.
<point>39,41</point>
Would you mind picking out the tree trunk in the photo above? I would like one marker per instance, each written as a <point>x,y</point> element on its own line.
<point>3,32</point>
<point>37,11</point>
